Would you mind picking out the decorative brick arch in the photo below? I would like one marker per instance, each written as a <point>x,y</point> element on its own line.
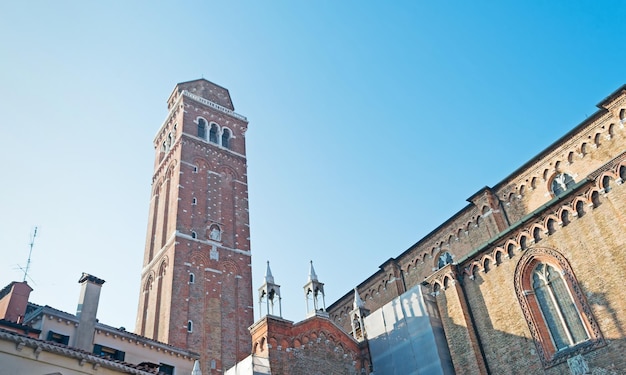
<point>473,268</point>
<point>593,197</point>
<point>486,263</point>
<point>272,342</point>
<point>497,256</point>
<point>620,171</point>
<point>565,214</point>
<point>578,205</point>
<point>537,230</point>
<point>446,281</point>
<point>522,240</point>
<point>199,258</point>
<point>201,163</point>
<point>156,187</point>
<point>584,149</point>
<point>510,246</point>
<point>171,167</point>
<point>297,343</point>
<point>550,223</point>
<point>147,286</point>
<point>228,173</point>
<point>163,266</point>
<point>605,181</point>
<point>230,267</point>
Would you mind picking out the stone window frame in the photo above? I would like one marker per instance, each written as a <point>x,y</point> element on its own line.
<point>537,326</point>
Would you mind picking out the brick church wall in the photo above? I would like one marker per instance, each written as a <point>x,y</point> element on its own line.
<point>310,347</point>
<point>479,307</point>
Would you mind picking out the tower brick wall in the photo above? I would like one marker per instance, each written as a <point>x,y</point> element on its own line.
<point>196,279</point>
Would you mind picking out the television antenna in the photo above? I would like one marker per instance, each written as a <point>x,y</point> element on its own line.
<point>32,244</point>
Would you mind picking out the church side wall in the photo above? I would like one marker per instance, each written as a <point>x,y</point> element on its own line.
<point>594,246</point>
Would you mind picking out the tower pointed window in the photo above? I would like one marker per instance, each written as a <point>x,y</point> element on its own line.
<point>226,138</point>
<point>202,128</point>
<point>213,133</point>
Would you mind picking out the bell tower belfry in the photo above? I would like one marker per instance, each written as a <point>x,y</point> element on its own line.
<point>196,282</point>
<point>270,293</point>
<point>313,291</point>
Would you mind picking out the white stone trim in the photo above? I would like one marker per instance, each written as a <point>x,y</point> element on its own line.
<point>209,103</point>
<point>213,243</point>
<point>213,270</point>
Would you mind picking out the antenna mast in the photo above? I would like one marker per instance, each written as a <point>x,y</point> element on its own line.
<point>32,243</point>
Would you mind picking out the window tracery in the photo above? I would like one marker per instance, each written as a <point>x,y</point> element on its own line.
<point>555,309</point>
<point>444,259</point>
<point>561,183</point>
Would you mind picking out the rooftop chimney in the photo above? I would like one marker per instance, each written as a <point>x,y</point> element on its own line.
<point>13,301</point>
<point>87,310</point>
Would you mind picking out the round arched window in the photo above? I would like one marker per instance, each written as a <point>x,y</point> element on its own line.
<point>561,183</point>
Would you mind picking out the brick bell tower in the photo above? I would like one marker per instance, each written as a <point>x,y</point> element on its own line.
<point>196,281</point>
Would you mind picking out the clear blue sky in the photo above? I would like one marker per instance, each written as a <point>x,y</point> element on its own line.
<point>370,123</point>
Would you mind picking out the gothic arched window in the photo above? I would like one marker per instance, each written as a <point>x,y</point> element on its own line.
<point>226,138</point>
<point>444,259</point>
<point>213,133</point>
<point>202,128</point>
<point>555,308</point>
<point>561,183</point>
<point>215,233</point>
<point>189,326</point>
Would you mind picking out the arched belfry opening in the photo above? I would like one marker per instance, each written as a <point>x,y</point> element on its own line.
<point>313,292</point>
<point>269,294</point>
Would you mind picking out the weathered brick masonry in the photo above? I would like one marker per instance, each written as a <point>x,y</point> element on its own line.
<point>491,317</point>
<point>527,278</point>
